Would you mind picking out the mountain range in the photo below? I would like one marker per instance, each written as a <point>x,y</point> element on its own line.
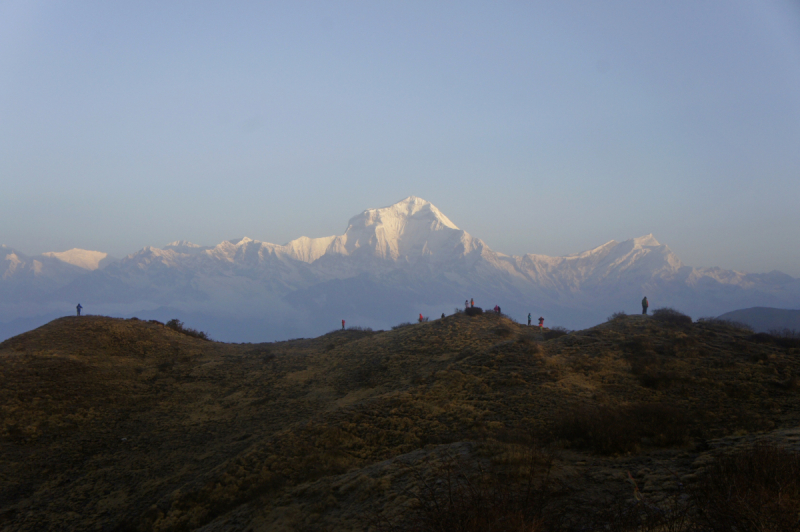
<point>390,265</point>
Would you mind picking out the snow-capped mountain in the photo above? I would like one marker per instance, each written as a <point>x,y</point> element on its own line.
<point>388,266</point>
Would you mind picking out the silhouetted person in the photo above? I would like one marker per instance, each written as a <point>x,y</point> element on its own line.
<point>645,304</point>
<point>78,308</point>
<point>529,319</point>
<point>466,304</point>
<point>541,322</point>
<point>442,315</point>
<point>342,324</point>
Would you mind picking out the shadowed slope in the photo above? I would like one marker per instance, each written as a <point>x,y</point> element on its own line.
<point>143,428</point>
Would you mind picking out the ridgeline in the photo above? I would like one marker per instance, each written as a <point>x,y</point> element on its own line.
<point>112,424</point>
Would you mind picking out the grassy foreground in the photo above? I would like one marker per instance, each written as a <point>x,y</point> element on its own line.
<point>111,424</point>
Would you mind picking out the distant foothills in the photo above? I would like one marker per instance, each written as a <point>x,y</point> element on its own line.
<point>390,265</point>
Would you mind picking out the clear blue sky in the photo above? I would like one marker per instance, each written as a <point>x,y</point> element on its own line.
<point>538,127</point>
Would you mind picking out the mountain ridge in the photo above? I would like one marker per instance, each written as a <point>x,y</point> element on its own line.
<point>410,249</point>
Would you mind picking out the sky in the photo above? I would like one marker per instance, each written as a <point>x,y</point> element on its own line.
<point>539,127</point>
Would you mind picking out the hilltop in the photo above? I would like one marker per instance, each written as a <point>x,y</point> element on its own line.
<point>129,425</point>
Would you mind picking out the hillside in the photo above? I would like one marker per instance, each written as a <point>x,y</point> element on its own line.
<point>128,425</point>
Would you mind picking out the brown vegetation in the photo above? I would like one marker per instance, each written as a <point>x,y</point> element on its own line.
<point>145,428</point>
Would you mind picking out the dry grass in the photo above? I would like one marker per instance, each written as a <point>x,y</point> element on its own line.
<point>152,429</point>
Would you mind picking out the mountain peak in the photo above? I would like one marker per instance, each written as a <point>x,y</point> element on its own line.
<point>646,240</point>
<point>82,258</point>
<point>408,208</point>
<point>409,228</point>
<point>181,244</point>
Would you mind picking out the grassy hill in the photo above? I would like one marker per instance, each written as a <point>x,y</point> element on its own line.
<point>111,424</point>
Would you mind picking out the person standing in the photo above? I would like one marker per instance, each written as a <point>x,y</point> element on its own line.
<point>342,324</point>
<point>466,304</point>
<point>78,308</point>
<point>471,302</point>
<point>529,319</point>
<point>541,322</point>
<point>645,304</point>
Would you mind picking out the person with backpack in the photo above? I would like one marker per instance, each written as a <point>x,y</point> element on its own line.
<point>78,308</point>
<point>541,322</point>
<point>645,304</point>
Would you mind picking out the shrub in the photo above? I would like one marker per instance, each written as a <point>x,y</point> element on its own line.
<point>621,429</point>
<point>473,311</point>
<point>617,316</point>
<point>370,373</point>
<point>761,338</point>
<point>785,337</point>
<point>556,332</point>
<point>360,329</point>
<point>463,496</point>
<point>177,325</point>
<point>671,316</point>
<point>725,324</point>
<point>755,488</point>
<point>401,325</point>
<point>503,331</point>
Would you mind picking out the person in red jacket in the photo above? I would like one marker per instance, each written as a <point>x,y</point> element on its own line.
<point>541,321</point>
<point>342,324</point>
<point>421,318</point>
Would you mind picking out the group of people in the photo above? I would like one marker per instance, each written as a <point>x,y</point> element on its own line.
<point>469,303</point>
<point>541,320</point>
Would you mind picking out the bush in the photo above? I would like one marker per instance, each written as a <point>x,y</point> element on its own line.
<point>725,324</point>
<point>556,332</point>
<point>785,337</point>
<point>617,316</point>
<point>756,488</point>
<point>503,331</point>
<point>473,311</point>
<point>177,325</point>
<point>671,316</point>
<point>401,325</point>
<point>622,429</point>
<point>463,496</point>
<point>360,329</point>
